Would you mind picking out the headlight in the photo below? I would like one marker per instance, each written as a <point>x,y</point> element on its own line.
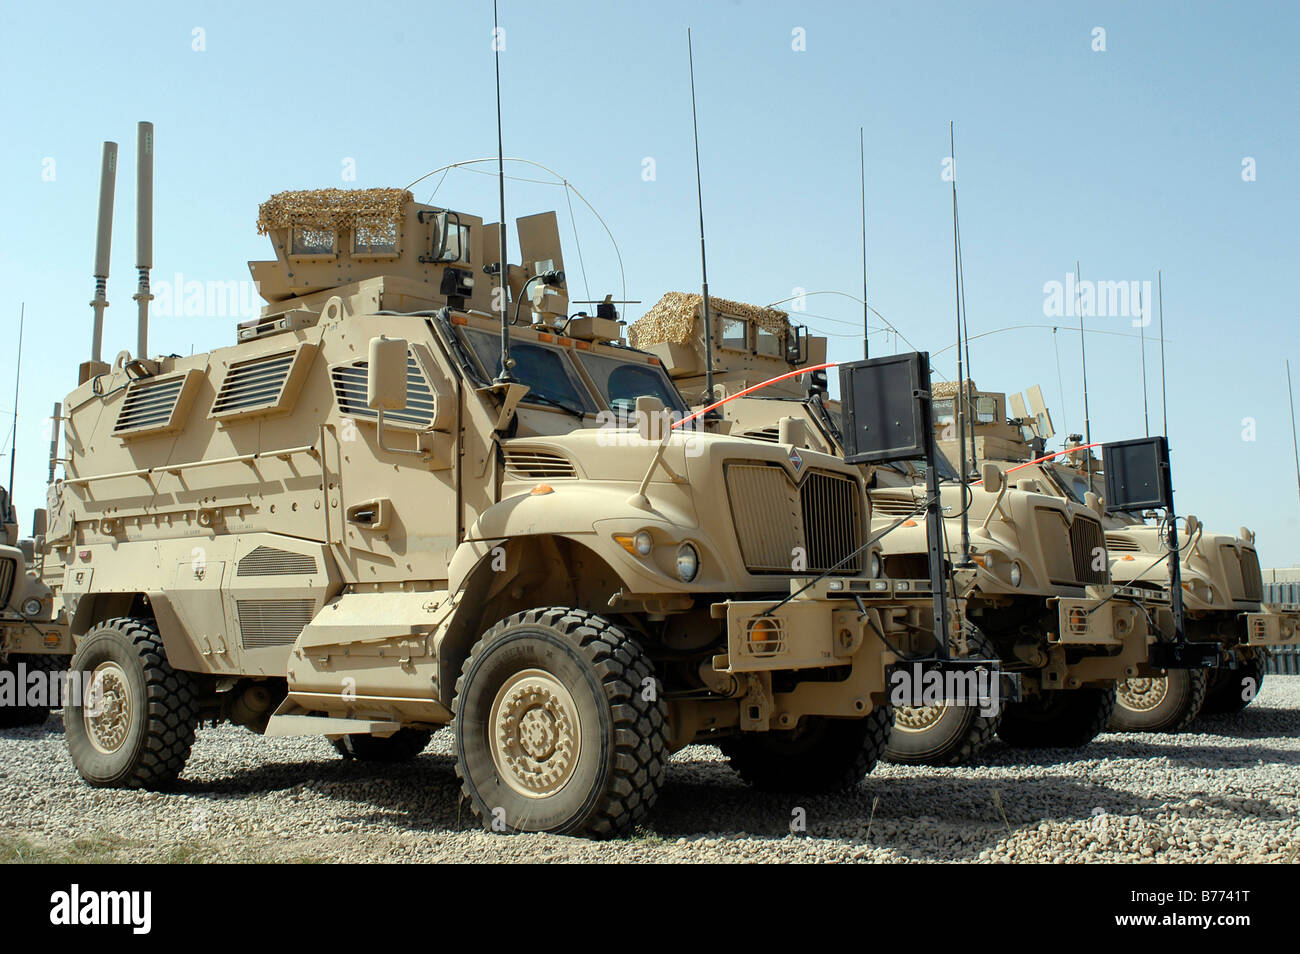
<point>1015,574</point>
<point>643,543</point>
<point>688,562</point>
<point>32,607</point>
<point>876,568</point>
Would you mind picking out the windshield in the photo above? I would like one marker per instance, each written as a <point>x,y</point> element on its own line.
<point>1075,484</point>
<point>543,368</point>
<point>621,383</point>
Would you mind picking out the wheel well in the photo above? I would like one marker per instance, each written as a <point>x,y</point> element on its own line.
<point>524,573</point>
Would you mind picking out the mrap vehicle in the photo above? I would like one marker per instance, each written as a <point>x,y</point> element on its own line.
<point>1037,594</point>
<point>351,523</point>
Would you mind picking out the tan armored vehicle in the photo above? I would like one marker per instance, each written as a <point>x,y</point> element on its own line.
<point>351,523</point>
<point>33,641</point>
<point>1038,594</point>
<point>1222,592</point>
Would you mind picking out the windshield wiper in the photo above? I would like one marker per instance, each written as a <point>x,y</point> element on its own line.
<point>552,402</point>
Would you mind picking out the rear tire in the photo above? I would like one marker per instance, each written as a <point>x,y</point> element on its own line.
<point>1231,690</point>
<point>1164,703</point>
<point>944,734</point>
<point>402,746</point>
<point>136,726</point>
<point>560,726</point>
<point>821,755</point>
<point>20,716</point>
<point>1058,718</point>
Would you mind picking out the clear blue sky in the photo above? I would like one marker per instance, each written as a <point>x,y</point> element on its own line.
<point>1127,160</point>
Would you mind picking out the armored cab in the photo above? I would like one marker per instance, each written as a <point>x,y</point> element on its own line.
<point>381,511</point>
<point>1038,594</point>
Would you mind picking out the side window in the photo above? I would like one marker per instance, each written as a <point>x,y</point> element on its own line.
<point>735,334</point>
<point>769,343</point>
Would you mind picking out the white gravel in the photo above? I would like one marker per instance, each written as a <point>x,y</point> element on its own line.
<point>1226,792</point>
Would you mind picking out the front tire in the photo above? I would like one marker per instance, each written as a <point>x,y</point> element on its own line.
<point>821,755</point>
<point>1058,718</point>
<point>20,716</point>
<point>1231,690</point>
<point>944,734</point>
<point>559,726</point>
<point>1163,703</point>
<point>135,726</point>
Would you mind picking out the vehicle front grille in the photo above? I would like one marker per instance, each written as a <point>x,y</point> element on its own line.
<point>1085,540</point>
<point>8,569</point>
<point>777,522</point>
<point>1252,579</point>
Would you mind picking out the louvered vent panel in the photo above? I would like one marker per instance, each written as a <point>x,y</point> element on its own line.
<point>770,434</point>
<point>765,512</point>
<point>264,623</point>
<point>254,384</point>
<point>270,561</point>
<point>1118,543</point>
<point>537,464</point>
<point>350,393</point>
<point>148,405</point>
<point>883,505</point>
<point>8,569</point>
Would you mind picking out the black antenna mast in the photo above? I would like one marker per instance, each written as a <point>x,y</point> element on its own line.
<point>862,172</point>
<point>960,399</point>
<point>1142,330</point>
<point>1294,446</point>
<point>505,377</point>
<point>17,378</point>
<point>1164,408</point>
<point>704,264</point>
<point>1083,355</point>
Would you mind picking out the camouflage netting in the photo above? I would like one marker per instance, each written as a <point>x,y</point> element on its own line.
<point>946,389</point>
<point>674,319</point>
<point>331,208</point>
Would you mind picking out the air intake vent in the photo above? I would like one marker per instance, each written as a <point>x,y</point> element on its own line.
<point>770,434</point>
<point>350,392</point>
<point>832,522</point>
<point>774,518</point>
<point>1088,547</point>
<point>1118,543</point>
<point>1252,579</point>
<point>532,465</point>
<point>257,385</point>
<point>893,506</point>
<point>264,623</point>
<point>154,405</point>
<point>269,561</point>
<point>8,569</point>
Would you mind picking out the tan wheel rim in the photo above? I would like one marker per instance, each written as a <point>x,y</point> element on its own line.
<point>107,712</point>
<point>917,718</point>
<point>1144,694</point>
<point>536,735</point>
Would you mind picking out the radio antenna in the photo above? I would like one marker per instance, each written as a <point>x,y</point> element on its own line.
<point>960,399</point>
<point>103,246</point>
<point>1164,408</point>
<point>862,173</point>
<point>1083,355</point>
<point>1142,331</point>
<point>505,377</point>
<point>704,264</point>
<point>143,233</point>
<point>17,378</point>
<point>1294,446</point>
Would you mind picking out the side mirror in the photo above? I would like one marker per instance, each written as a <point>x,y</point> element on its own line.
<point>991,474</point>
<point>1094,502</point>
<point>1193,524</point>
<point>386,374</point>
<point>40,522</point>
<point>650,422</point>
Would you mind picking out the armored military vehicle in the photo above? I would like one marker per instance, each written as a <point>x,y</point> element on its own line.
<point>1037,595</point>
<point>387,508</point>
<point>33,643</point>
<point>1222,592</point>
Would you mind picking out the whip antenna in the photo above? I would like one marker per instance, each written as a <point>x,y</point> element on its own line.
<point>18,376</point>
<point>505,377</point>
<point>960,400</point>
<point>1142,330</point>
<point>862,172</point>
<point>1294,446</point>
<point>704,264</point>
<point>1164,409</point>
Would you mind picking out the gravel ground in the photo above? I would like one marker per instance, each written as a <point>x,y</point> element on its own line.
<point>1227,792</point>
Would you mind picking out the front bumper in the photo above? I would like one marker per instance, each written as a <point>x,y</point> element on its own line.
<point>1276,624</point>
<point>34,636</point>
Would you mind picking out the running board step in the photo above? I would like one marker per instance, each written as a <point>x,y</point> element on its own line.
<point>286,725</point>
